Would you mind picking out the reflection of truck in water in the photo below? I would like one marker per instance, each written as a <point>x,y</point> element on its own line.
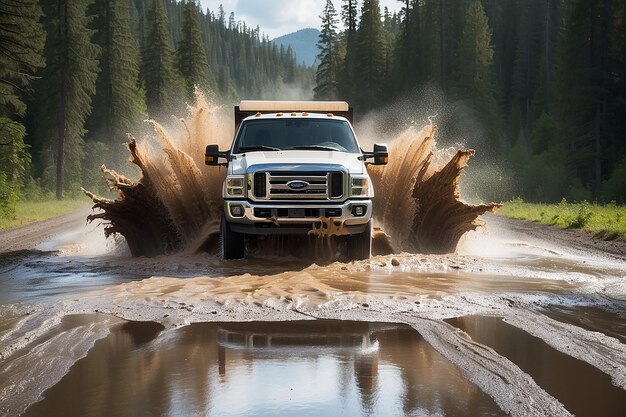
<point>296,166</point>
<point>304,336</point>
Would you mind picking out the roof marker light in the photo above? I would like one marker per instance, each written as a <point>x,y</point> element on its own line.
<point>330,115</point>
<point>293,114</point>
<point>305,114</point>
<point>279,114</point>
<point>258,114</point>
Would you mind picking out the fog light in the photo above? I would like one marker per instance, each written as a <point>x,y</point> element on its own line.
<point>359,211</point>
<point>236,210</point>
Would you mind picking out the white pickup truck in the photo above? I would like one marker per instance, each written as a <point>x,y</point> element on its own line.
<point>295,167</point>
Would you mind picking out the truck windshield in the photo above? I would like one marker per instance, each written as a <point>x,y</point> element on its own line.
<point>292,134</point>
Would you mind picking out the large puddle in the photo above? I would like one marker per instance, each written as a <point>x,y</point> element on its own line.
<point>581,388</point>
<point>305,368</point>
<point>590,318</point>
<point>573,303</point>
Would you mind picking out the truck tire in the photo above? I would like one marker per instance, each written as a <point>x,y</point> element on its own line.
<point>231,243</point>
<point>360,245</point>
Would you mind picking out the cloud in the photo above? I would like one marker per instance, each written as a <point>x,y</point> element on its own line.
<point>276,18</point>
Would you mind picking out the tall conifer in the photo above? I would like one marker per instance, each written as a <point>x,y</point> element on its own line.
<point>346,77</point>
<point>370,56</point>
<point>67,85</point>
<point>118,105</point>
<point>191,59</point>
<point>157,62</point>
<point>474,83</point>
<point>21,46</point>
<point>328,58</point>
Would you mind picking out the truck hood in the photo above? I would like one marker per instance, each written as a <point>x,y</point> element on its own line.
<point>299,159</point>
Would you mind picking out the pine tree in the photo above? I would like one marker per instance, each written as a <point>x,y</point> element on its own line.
<point>118,105</point>
<point>157,62</point>
<point>67,85</point>
<point>346,76</point>
<point>370,56</point>
<point>476,52</point>
<point>328,58</point>
<point>191,59</point>
<point>430,40</point>
<point>21,45</point>
<point>584,76</point>
<point>474,69</point>
<point>408,64</point>
<point>452,13</point>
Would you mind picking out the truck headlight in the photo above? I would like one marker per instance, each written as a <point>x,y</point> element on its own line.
<point>235,186</point>
<point>360,186</point>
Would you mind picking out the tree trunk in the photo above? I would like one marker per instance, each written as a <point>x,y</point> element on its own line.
<point>442,43</point>
<point>62,127</point>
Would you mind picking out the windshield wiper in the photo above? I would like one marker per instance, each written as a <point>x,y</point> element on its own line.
<point>257,148</point>
<point>316,147</point>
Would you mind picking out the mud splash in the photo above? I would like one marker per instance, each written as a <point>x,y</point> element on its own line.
<point>176,204</point>
<point>418,200</point>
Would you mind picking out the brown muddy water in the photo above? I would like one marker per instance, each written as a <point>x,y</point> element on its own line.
<point>583,389</point>
<point>590,318</point>
<point>319,368</point>
<point>91,331</point>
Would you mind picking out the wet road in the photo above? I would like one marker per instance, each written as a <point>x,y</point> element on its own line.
<point>489,318</point>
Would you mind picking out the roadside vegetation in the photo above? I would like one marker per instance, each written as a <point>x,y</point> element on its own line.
<point>607,221</point>
<point>25,212</point>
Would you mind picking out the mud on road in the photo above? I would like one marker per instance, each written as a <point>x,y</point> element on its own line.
<point>561,298</point>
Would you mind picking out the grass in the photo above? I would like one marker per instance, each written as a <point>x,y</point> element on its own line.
<point>607,221</point>
<point>32,211</point>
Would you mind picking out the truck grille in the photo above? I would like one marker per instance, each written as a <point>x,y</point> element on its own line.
<point>287,185</point>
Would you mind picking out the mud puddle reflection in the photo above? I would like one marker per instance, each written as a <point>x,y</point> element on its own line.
<point>581,388</point>
<point>590,318</point>
<point>313,368</point>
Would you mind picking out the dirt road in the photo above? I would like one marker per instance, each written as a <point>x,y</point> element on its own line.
<point>29,236</point>
<point>577,240</point>
<point>558,296</point>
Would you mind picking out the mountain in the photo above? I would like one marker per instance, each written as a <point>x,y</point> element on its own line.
<point>303,43</point>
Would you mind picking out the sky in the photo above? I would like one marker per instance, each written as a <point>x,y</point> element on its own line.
<point>280,17</point>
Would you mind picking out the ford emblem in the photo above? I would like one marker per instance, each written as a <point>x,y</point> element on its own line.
<point>297,184</point>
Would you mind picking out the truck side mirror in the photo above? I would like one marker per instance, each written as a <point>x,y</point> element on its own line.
<point>212,155</point>
<point>381,154</point>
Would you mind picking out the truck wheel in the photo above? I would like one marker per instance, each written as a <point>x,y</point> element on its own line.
<point>231,243</point>
<point>360,245</point>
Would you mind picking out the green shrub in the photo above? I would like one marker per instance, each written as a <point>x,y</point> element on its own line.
<point>8,197</point>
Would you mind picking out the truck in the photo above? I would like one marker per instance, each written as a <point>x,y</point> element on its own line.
<point>296,168</point>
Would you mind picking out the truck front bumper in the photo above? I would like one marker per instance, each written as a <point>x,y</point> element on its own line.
<point>351,216</point>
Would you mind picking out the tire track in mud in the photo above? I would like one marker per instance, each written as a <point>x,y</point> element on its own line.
<point>366,291</point>
<point>45,349</point>
<point>175,303</point>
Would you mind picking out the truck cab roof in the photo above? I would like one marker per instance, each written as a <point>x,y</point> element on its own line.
<point>281,115</point>
<point>274,109</point>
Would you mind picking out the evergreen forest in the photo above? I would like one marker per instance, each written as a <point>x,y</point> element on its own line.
<point>76,76</point>
<point>537,87</point>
